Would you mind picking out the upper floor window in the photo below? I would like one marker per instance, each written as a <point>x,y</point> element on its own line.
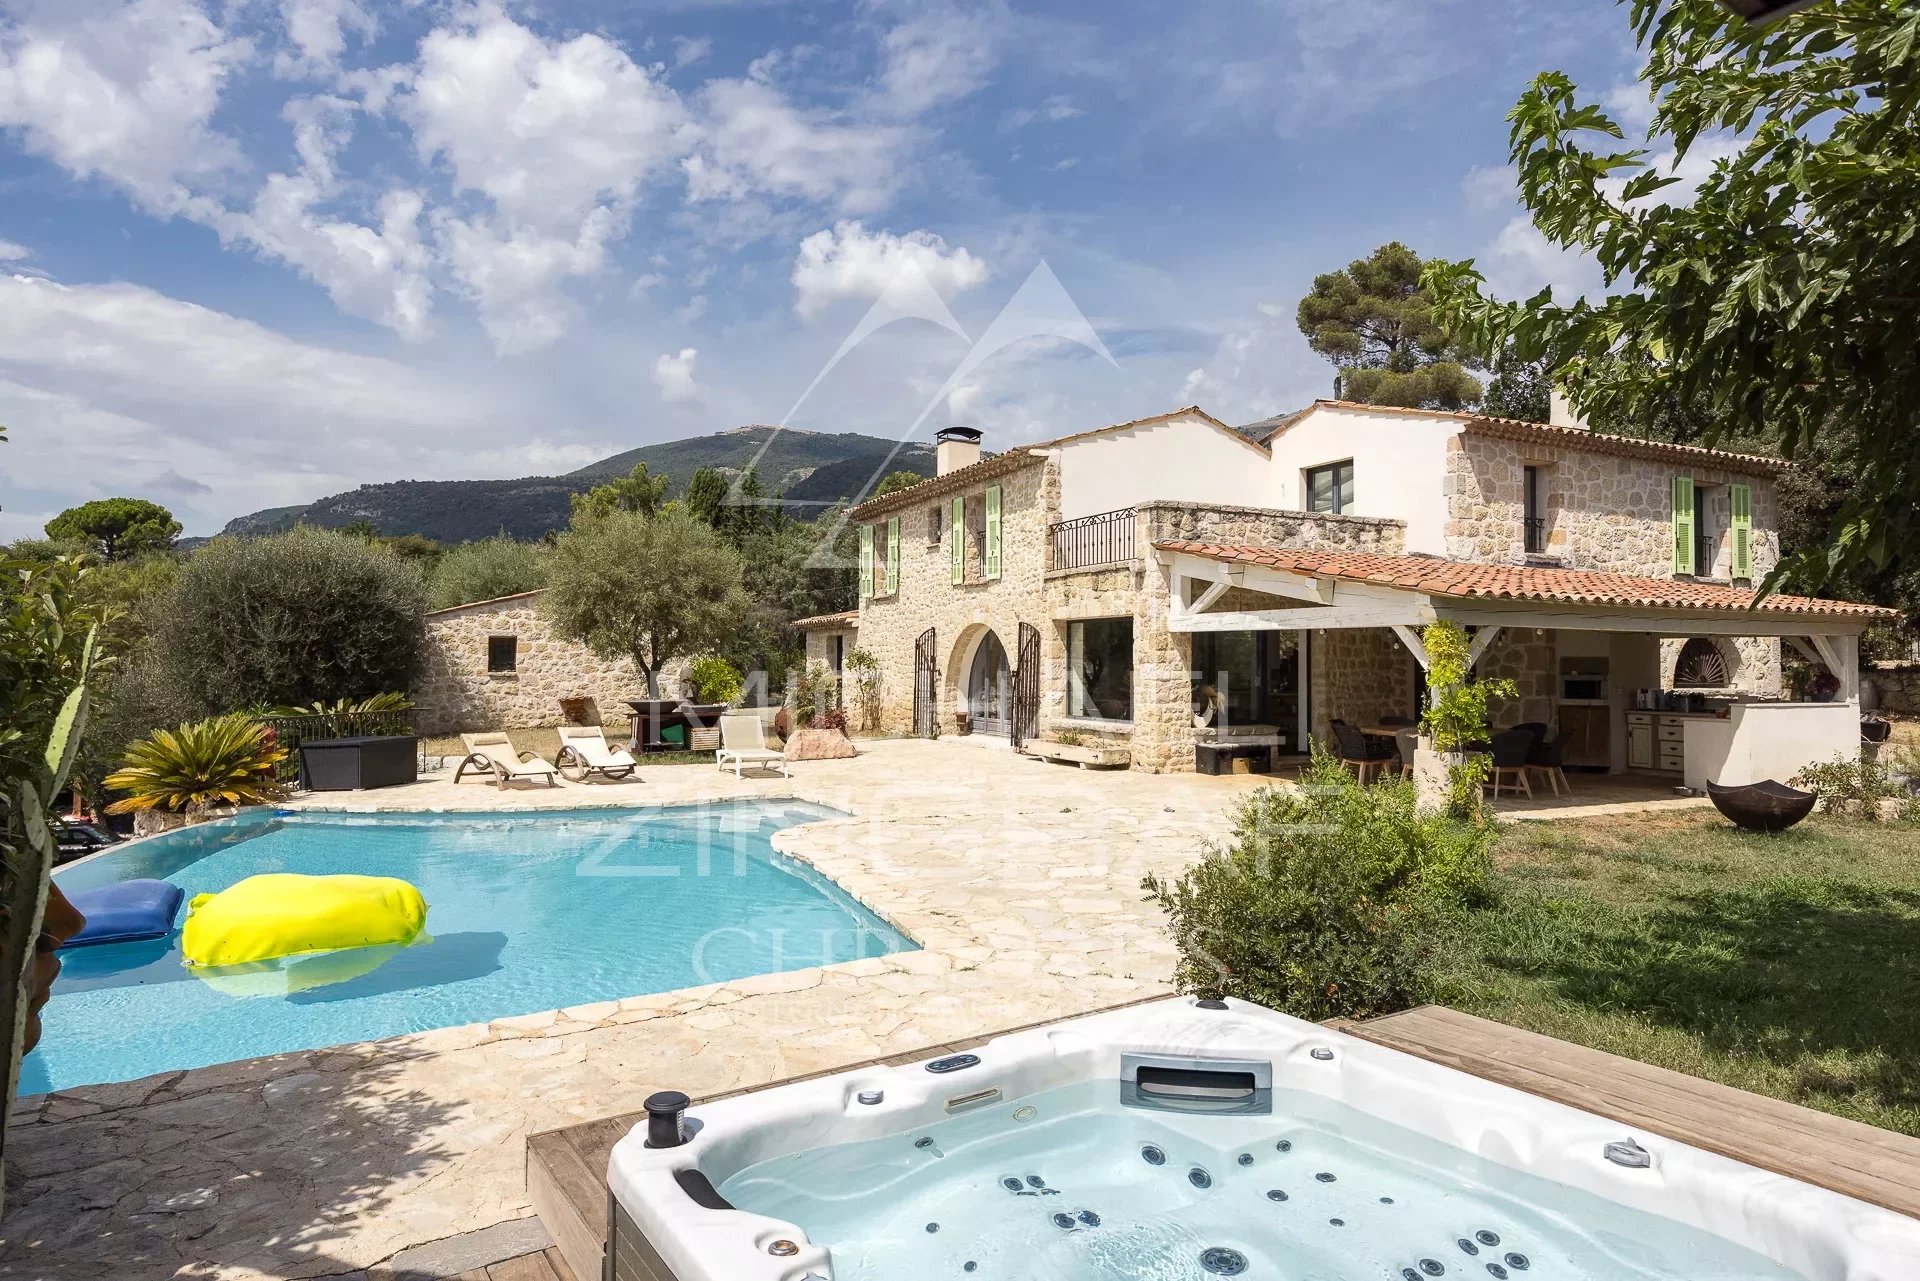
<point>1330,488</point>
<point>503,653</point>
<point>1534,500</point>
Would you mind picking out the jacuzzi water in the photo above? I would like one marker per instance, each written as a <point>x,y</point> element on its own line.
<point>1175,1142</point>
<point>1088,1190</point>
<point>526,912</point>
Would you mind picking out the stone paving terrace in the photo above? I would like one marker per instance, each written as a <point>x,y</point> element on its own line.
<point>1020,879</point>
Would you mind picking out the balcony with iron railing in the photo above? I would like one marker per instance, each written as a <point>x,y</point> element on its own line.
<point>1536,535</point>
<point>1094,542</point>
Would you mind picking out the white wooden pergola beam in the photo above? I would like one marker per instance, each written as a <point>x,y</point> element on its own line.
<point>1482,639</point>
<point>1625,618</point>
<point>1415,646</point>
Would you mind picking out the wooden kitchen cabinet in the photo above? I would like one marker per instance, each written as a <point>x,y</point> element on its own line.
<point>1591,728</point>
<point>1641,752</point>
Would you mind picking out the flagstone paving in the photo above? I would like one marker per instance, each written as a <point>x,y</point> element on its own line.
<point>1021,881</point>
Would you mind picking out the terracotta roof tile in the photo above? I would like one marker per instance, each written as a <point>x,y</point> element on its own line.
<point>986,469</point>
<point>821,622</point>
<point>1467,580</point>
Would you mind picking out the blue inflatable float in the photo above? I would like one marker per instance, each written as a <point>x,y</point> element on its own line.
<point>125,912</point>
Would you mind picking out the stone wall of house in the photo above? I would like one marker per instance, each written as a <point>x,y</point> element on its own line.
<point>1753,660</point>
<point>1268,527</point>
<point>458,694</point>
<point>1528,657</point>
<point>1603,511</point>
<point>1358,674</point>
<point>960,615</point>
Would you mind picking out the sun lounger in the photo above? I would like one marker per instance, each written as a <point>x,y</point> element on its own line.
<point>584,751</point>
<point>493,753</point>
<point>743,742</point>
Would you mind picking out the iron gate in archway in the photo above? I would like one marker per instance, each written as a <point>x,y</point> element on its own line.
<point>926,674</point>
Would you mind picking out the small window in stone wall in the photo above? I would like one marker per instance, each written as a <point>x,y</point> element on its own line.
<point>934,513</point>
<point>503,653</point>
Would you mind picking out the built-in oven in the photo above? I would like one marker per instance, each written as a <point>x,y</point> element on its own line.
<point>1583,680</point>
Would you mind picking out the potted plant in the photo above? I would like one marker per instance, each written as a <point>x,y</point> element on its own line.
<point>1824,687</point>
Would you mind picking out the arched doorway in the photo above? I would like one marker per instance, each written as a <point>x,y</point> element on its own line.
<point>989,689</point>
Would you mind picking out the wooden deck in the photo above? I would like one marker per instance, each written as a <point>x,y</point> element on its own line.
<point>544,1266</point>
<point>1828,1151</point>
<point>567,1169</point>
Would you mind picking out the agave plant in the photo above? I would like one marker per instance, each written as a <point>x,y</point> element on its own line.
<point>229,759</point>
<point>390,702</point>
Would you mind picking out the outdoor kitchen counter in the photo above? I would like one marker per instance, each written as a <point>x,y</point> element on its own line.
<point>1761,740</point>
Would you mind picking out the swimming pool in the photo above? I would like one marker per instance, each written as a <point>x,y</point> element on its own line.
<point>1177,1142</point>
<point>526,912</point>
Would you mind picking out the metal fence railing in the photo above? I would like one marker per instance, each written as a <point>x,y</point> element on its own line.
<point>1536,534</point>
<point>293,730</point>
<point>1110,538</point>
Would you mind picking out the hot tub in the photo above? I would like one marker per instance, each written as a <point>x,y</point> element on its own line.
<point>1174,1141</point>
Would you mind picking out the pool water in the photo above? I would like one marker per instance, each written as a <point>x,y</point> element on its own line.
<point>1088,1190</point>
<point>525,912</point>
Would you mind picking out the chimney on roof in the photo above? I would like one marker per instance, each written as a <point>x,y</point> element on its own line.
<point>1560,412</point>
<point>955,447</point>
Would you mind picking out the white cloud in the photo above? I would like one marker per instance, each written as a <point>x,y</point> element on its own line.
<point>318,31</point>
<point>1489,187</point>
<point>141,384</point>
<point>1259,371</point>
<point>754,140</point>
<point>1521,260</point>
<point>1630,105</point>
<point>850,262</point>
<point>1053,111</point>
<point>122,91</point>
<point>688,50</point>
<point>673,375</point>
<point>10,252</point>
<point>557,138</point>
<point>934,58</point>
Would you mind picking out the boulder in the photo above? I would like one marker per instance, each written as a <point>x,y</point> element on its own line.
<point>820,745</point>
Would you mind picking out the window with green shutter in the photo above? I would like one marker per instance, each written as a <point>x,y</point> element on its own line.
<point>1683,525</point>
<point>993,532</point>
<point>893,556</point>
<point>866,562</point>
<point>957,539</point>
<point>1742,530</point>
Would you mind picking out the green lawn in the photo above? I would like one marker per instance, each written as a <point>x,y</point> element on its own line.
<point>1786,965</point>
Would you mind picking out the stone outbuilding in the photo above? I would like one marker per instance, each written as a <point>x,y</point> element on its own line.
<point>497,664</point>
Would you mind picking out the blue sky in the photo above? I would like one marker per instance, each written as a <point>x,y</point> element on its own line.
<point>259,251</point>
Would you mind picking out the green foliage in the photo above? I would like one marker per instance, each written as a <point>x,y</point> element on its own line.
<point>1328,901</point>
<point>1521,389</point>
<point>636,492</point>
<point>48,626</point>
<point>226,760</point>
<point>894,482</point>
<point>392,701</point>
<point>305,616</point>
<point>863,669</point>
<point>486,570</point>
<point>795,570</point>
<point>714,680</point>
<point>1376,322</point>
<point>1782,295</point>
<point>116,527</point>
<point>645,588</point>
<point>706,495</point>
<point>816,696</point>
<point>1457,713</point>
<point>1856,786</point>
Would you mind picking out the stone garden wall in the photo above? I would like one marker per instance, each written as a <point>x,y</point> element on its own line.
<point>1899,687</point>
<point>459,694</point>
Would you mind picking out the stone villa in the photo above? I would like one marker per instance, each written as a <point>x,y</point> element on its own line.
<point>1171,581</point>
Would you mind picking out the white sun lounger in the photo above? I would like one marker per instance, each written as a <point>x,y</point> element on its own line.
<point>743,742</point>
<point>584,751</point>
<point>493,753</point>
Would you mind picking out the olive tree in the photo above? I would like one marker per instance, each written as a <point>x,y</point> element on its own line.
<point>307,616</point>
<point>645,588</point>
<point>487,569</point>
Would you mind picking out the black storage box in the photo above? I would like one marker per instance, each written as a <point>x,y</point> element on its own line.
<point>1217,758</point>
<point>356,764</point>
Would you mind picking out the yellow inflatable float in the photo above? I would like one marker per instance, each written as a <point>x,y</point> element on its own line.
<point>284,914</point>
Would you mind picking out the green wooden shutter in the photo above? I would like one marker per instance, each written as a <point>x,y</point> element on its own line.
<point>866,562</point>
<point>957,535</point>
<point>1683,521</point>
<point>993,531</point>
<point>893,556</point>
<point>1742,531</point>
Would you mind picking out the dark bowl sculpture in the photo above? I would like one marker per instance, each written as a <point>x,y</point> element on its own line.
<point>1763,807</point>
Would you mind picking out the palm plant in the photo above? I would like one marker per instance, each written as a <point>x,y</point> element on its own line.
<point>229,759</point>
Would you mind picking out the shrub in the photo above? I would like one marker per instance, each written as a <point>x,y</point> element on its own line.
<point>816,694</point>
<point>301,617</point>
<point>1331,900</point>
<point>714,680</point>
<point>1854,787</point>
<point>229,759</point>
<point>865,671</point>
<point>486,570</point>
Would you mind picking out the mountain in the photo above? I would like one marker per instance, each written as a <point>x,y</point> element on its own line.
<point>812,469</point>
